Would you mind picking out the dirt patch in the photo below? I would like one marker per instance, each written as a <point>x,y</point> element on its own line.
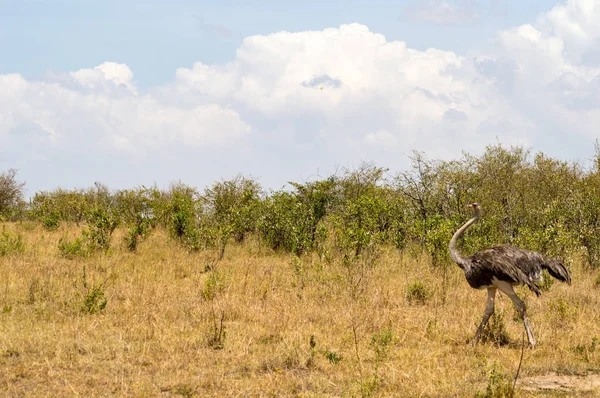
<point>562,383</point>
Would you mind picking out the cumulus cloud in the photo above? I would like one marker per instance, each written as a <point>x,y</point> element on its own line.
<point>349,85</point>
<point>104,76</point>
<point>553,69</point>
<point>290,103</point>
<point>88,111</point>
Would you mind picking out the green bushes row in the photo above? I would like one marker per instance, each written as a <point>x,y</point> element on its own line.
<point>532,201</point>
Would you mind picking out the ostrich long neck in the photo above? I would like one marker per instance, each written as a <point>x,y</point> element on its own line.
<point>456,257</point>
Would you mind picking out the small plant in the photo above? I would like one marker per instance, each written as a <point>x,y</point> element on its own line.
<point>368,386</point>
<point>299,276</point>
<point>94,299</point>
<point>381,342</point>
<point>132,239</point>
<point>563,309</point>
<point>10,243</point>
<point>51,221</point>
<point>418,293</point>
<point>213,285</point>
<point>333,357</point>
<point>588,352</point>
<point>499,385</point>
<point>137,233</point>
<point>71,249</point>
<point>495,331</point>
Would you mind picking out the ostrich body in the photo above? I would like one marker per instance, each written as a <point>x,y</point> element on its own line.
<point>502,267</point>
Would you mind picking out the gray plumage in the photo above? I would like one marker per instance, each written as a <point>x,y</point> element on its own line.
<point>514,265</point>
<point>502,267</point>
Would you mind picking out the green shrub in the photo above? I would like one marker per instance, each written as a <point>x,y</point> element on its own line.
<point>94,299</point>
<point>101,225</point>
<point>417,292</point>
<point>11,195</point>
<point>137,233</point>
<point>233,206</point>
<point>333,357</point>
<point>183,217</point>
<point>51,221</point>
<point>72,249</point>
<point>495,331</point>
<point>289,220</point>
<point>10,243</point>
<point>499,385</point>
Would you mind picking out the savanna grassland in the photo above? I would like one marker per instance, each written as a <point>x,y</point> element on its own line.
<point>263,324</point>
<point>337,287</point>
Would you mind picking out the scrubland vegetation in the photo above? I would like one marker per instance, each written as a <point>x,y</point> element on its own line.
<point>339,286</point>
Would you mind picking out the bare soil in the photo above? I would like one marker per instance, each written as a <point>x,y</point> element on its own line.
<point>570,385</point>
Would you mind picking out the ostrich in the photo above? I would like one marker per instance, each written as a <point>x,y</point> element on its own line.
<point>502,267</point>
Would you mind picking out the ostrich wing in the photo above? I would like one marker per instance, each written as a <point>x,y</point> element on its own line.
<point>556,269</point>
<point>510,264</point>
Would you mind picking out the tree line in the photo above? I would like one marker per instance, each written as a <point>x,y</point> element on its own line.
<point>529,200</point>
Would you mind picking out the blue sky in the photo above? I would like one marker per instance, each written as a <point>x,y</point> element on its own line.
<point>131,93</point>
<point>155,37</point>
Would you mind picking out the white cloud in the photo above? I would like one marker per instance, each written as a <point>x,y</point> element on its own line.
<point>292,103</point>
<point>73,117</point>
<point>106,74</point>
<point>556,73</point>
<point>343,86</point>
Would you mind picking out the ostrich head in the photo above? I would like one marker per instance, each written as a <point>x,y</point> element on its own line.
<point>476,209</point>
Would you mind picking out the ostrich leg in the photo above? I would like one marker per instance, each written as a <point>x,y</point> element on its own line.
<point>489,310</point>
<point>507,289</point>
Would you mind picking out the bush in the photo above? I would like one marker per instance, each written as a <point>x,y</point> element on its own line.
<point>11,194</point>
<point>360,225</point>
<point>233,205</point>
<point>499,385</point>
<point>289,220</point>
<point>137,233</point>
<point>101,225</point>
<point>94,299</point>
<point>183,214</point>
<point>72,249</point>
<point>51,221</point>
<point>59,205</point>
<point>418,292</point>
<point>333,357</point>
<point>10,243</point>
<point>495,331</point>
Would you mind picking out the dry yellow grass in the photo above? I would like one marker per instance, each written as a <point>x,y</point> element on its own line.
<point>156,334</point>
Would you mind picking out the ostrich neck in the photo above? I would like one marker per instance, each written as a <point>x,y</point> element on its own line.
<point>454,254</point>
